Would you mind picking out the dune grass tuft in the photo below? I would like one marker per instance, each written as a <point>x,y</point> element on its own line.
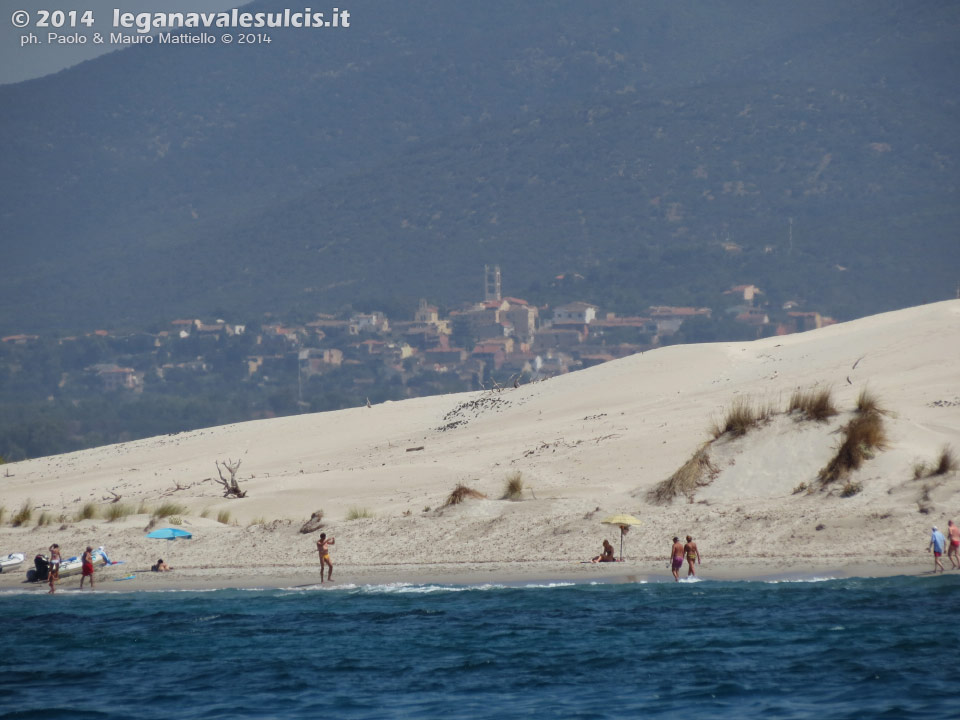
<point>89,511</point>
<point>815,404</point>
<point>44,519</point>
<point>23,515</point>
<point>861,437</point>
<point>169,508</point>
<point>741,416</point>
<point>357,513</point>
<point>946,462</point>
<point>117,511</point>
<point>686,479</point>
<point>143,508</point>
<point>3,513</point>
<point>513,487</point>
<point>867,403</point>
<point>205,513</point>
<point>924,503</point>
<point>460,493</point>
<point>223,517</point>
<point>851,489</point>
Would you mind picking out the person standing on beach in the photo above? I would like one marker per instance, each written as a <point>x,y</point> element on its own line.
<point>937,542</point>
<point>676,558</point>
<point>54,567</point>
<point>953,551</point>
<point>693,555</point>
<point>323,548</point>
<point>86,564</point>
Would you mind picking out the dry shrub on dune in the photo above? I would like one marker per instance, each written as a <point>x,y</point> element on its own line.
<point>685,480</point>
<point>460,493</point>
<point>89,511</point>
<point>867,403</point>
<point>117,511</point>
<point>169,508</point>
<point>861,436</point>
<point>813,404</point>
<point>513,487</point>
<point>740,417</point>
<point>946,462</point>
<point>23,515</point>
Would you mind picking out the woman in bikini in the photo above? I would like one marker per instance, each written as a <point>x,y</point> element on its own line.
<point>693,555</point>
<point>54,567</point>
<point>323,548</point>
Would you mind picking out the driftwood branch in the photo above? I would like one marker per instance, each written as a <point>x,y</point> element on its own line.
<point>231,488</point>
<point>177,487</point>
<point>115,498</point>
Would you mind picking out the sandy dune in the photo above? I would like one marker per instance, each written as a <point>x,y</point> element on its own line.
<point>587,444</point>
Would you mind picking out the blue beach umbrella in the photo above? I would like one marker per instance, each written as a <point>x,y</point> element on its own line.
<point>169,534</point>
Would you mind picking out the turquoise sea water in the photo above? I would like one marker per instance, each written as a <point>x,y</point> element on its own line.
<point>852,648</point>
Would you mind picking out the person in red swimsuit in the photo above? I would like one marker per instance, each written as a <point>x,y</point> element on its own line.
<point>86,564</point>
<point>953,546</point>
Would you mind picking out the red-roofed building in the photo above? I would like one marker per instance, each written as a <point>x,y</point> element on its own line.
<point>19,339</point>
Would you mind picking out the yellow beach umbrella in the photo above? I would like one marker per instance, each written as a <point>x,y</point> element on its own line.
<point>624,521</point>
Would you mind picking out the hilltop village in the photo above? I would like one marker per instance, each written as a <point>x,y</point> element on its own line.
<point>493,342</point>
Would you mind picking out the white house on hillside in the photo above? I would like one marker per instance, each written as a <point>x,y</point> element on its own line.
<point>575,313</point>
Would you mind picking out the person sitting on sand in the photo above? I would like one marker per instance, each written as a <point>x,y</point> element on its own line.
<point>953,538</point>
<point>161,566</point>
<point>937,543</point>
<point>676,558</point>
<point>693,555</point>
<point>607,556</point>
<point>323,548</point>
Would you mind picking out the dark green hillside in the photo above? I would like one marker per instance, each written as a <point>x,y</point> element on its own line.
<point>624,141</point>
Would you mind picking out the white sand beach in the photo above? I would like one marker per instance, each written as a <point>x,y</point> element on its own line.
<point>587,445</point>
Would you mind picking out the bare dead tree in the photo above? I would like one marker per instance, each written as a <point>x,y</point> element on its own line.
<point>230,487</point>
